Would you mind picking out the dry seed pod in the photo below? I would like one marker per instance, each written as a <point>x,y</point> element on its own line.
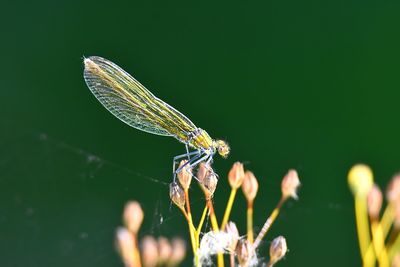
<point>236,175</point>
<point>164,251</point>
<point>277,250</point>
<point>177,194</point>
<point>233,232</point>
<point>393,190</point>
<point>125,244</point>
<point>290,184</point>
<point>207,179</point>
<point>185,175</point>
<point>178,252</point>
<point>244,252</point>
<point>133,216</point>
<point>149,251</point>
<point>374,202</point>
<point>250,186</point>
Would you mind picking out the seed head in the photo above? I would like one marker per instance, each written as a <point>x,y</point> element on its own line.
<point>233,232</point>
<point>277,250</point>
<point>133,216</point>
<point>178,252</point>
<point>290,184</point>
<point>185,175</point>
<point>250,186</point>
<point>125,244</point>
<point>244,252</point>
<point>177,194</point>
<point>236,175</point>
<point>393,190</point>
<point>374,202</point>
<point>164,251</point>
<point>207,179</point>
<point>149,251</point>
<point>360,179</point>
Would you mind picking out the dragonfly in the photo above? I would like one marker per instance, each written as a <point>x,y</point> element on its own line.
<point>128,100</point>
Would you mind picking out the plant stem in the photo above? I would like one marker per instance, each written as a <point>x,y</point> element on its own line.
<point>268,223</point>
<point>228,207</point>
<point>363,230</point>
<point>214,225</point>
<point>379,244</point>
<point>250,236</point>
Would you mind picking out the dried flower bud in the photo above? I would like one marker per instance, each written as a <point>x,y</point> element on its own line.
<point>207,179</point>
<point>360,180</point>
<point>250,186</point>
<point>244,252</point>
<point>393,190</point>
<point>203,170</point>
<point>185,175</point>
<point>164,250</point>
<point>233,232</point>
<point>374,201</point>
<point>125,244</point>
<point>133,216</point>
<point>290,184</point>
<point>177,194</point>
<point>149,251</point>
<point>277,249</point>
<point>178,252</point>
<point>236,175</point>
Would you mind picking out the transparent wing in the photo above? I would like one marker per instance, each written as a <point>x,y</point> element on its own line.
<point>131,102</point>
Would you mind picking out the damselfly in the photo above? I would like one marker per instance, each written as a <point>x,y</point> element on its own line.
<point>132,103</point>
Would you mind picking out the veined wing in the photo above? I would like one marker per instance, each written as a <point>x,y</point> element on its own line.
<point>131,102</point>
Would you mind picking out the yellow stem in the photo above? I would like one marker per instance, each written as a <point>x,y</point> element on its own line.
<point>228,208</point>
<point>192,229</point>
<point>379,244</point>
<point>136,254</point>
<point>395,247</point>
<point>363,230</point>
<point>387,220</point>
<point>250,236</point>
<point>268,223</point>
<point>214,225</point>
<point>203,216</point>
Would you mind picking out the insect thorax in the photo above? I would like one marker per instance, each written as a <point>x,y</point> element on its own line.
<point>199,138</point>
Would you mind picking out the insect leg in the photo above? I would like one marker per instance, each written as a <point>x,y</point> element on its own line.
<point>197,153</point>
<point>176,158</point>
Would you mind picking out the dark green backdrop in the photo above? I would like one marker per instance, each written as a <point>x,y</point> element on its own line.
<point>311,85</point>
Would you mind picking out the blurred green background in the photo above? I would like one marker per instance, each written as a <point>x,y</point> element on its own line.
<point>311,85</point>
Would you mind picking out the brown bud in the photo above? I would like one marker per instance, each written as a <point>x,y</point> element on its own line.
<point>250,186</point>
<point>393,190</point>
<point>177,194</point>
<point>207,179</point>
<point>277,250</point>
<point>374,202</point>
<point>233,233</point>
<point>133,216</point>
<point>125,244</point>
<point>164,250</point>
<point>360,180</point>
<point>178,252</point>
<point>149,251</point>
<point>290,184</point>
<point>244,252</point>
<point>185,175</point>
<point>236,175</point>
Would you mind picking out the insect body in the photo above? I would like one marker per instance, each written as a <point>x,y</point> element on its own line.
<point>133,104</point>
